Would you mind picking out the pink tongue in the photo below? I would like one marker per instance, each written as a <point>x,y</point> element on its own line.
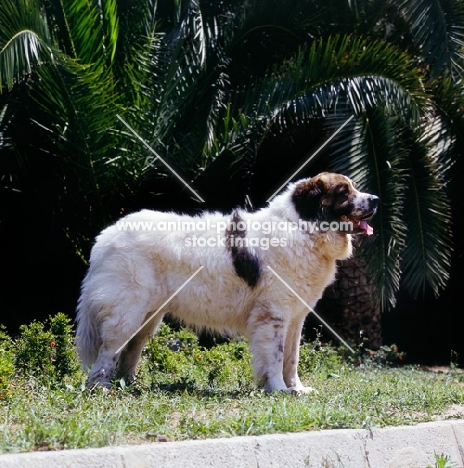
<point>365,227</point>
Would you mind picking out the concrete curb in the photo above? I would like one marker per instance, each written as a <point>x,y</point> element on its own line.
<point>392,447</point>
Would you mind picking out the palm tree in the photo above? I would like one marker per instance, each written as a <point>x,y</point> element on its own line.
<point>407,162</point>
<point>206,84</point>
<point>63,175</point>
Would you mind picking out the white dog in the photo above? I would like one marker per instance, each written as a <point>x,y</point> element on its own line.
<point>138,265</point>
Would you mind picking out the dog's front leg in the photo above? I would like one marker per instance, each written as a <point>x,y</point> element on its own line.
<point>291,357</point>
<point>267,330</point>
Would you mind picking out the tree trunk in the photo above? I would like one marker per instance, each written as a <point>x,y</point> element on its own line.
<point>348,307</point>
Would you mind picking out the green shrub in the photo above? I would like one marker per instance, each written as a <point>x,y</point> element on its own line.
<point>33,350</point>
<point>6,364</point>
<point>64,357</point>
<point>225,364</point>
<point>385,356</point>
<point>175,359</point>
<point>46,351</point>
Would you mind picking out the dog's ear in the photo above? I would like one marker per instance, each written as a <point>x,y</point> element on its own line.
<point>307,198</point>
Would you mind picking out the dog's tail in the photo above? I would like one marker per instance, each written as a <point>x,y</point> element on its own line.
<point>88,339</point>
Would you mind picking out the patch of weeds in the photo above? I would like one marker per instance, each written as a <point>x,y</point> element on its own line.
<point>318,358</point>
<point>454,360</point>
<point>321,359</point>
<point>442,461</point>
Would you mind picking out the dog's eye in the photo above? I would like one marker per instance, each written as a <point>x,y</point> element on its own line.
<point>342,191</point>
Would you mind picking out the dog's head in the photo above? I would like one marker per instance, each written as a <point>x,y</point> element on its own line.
<point>333,197</point>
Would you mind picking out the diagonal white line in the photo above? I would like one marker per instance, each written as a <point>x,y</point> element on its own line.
<point>159,308</point>
<point>309,159</point>
<point>159,157</point>
<point>312,310</point>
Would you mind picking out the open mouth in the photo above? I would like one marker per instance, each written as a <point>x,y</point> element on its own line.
<point>360,224</point>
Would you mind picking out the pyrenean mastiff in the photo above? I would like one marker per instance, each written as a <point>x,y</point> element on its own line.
<point>144,266</point>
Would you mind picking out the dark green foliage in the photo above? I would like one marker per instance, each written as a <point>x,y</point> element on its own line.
<point>437,28</point>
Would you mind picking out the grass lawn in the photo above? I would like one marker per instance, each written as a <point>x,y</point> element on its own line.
<point>187,392</point>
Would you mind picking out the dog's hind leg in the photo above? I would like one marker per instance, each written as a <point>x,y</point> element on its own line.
<point>116,328</point>
<point>104,368</point>
<point>130,356</point>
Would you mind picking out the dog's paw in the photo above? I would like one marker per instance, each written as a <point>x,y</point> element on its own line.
<point>298,391</point>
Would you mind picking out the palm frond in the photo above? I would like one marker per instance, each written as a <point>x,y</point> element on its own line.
<point>438,32</point>
<point>366,73</point>
<point>77,111</point>
<point>24,40</point>
<point>413,225</point>
<point>93,30</point>
<point>372,153</point>
<point>448,125</point>
<point>426,258</point>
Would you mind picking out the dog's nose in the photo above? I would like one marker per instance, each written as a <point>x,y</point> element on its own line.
<point>374,201</point>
